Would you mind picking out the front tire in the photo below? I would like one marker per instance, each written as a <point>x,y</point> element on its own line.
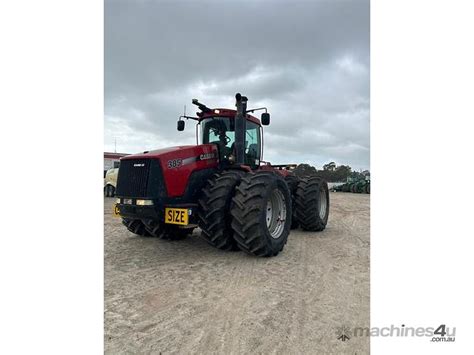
<point>312,204</point>
<point>136,227</point>
<point>174,233</point>
<point>161,231</point>
<point>214,206</point>
<point>261,213</point>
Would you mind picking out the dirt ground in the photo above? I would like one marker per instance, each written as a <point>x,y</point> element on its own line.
<point>185,297</point>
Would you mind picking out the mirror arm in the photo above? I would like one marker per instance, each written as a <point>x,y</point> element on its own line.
<point>188,117</point>
<point>256,109</point>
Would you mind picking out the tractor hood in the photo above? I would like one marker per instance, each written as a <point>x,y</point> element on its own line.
<point>177,152</point>
<point>178,163</point>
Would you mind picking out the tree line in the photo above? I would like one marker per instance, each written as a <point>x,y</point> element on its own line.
<point>330,172</point>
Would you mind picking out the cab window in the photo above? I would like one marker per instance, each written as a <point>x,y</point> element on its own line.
<point>219,131</point>
<point>252,144</point>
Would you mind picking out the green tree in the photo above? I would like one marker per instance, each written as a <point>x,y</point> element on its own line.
<point>329,166</point>
<point>342,172</point>
<point>305,170</point>
<point>330,172</point>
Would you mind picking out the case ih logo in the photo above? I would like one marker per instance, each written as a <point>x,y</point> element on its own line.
<point>139,165</point>
<point>207,156</point>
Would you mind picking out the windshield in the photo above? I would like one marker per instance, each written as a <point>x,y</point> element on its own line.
<point>220,131</point>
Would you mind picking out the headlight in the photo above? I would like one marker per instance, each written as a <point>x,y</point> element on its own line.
<point>117,201</point>
<point>127,201</point>
<point>144,203</point>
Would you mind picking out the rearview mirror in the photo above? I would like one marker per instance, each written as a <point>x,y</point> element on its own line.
<point>265,118</point>
<point>180,125</point>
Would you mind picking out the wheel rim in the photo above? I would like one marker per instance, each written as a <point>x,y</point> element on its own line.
<point>276,214</point>
<point>323,204</point>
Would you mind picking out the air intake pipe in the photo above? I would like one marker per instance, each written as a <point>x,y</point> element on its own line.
<point>240,128</point>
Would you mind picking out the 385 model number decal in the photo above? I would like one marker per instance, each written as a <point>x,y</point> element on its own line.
<point>175,163</point>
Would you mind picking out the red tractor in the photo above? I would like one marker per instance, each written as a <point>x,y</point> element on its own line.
<point>221,186</point>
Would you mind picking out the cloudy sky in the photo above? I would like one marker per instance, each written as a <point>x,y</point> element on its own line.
<point>307,61</point>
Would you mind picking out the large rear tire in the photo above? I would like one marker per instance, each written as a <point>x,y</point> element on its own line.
<point>136,227</point>
<point>261,213</point>
<point>312,204</point>
<point>214,207</point>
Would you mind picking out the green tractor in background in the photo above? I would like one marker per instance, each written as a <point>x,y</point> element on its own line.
<point>355,185</point>
<point>337,188</point>
<point>346,187</point>
<point>361,186</point>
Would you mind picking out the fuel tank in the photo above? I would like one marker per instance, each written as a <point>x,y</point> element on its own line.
<point>177,165</point>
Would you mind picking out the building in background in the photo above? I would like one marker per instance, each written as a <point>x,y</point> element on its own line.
<point>112,160</point>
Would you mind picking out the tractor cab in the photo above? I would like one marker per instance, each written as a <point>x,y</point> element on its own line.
<point>220,130</point>
<point>236,133</point>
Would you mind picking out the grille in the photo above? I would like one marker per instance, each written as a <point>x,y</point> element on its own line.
<point>132,180</point>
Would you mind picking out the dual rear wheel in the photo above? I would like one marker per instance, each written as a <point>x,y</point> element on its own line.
<point>312,204</point>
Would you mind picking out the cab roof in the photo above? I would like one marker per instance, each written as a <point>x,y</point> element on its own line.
<point>225,112</point>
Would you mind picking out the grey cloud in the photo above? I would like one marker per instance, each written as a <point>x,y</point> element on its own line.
<point>308,62</point>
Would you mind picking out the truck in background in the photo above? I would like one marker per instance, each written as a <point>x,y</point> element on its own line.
<point>110,182</point>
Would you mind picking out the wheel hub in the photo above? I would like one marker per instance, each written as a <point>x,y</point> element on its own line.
<point>323,203</point>
<point>276,213</point>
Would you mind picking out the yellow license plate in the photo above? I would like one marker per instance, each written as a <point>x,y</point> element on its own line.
<point>116,211</point>
<point>176,216</point>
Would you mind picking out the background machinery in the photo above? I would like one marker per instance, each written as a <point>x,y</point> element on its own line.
<point>110,182</point>
<point>361,185</point>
